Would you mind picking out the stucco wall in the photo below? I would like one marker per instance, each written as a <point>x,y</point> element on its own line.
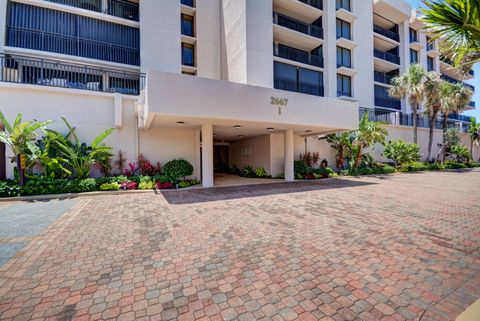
<point>260,153</point>
<point>91,114</point>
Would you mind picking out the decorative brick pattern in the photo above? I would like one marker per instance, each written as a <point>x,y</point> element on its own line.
<point>386,248</point>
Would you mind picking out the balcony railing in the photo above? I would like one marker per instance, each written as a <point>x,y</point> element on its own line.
<point>69,45</point>
<point>388,102</point>
<point>300,87</point>
<point>402,119</point>
<point>29,71</point>
<point>386,56</point>
<point>314,3</point>
<point>471,104</point>
<point>383,78</point>
<point>462,118</point>
<point>455,81</point>
<point>297,25</point>
<point>118,8</point>
<point>297,55</point>
<point>387,33</point>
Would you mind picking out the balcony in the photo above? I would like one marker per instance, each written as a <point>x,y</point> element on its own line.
<point>298,26</point>
<point>117,8</point>
<point>297,55</point>
<point>455,81</point>
<point>188,3</point>
<point>314,3</point>
<point>386,56</point>
<point>386,33</point>
<point>462,118</point>
<point>388,102</point>
<point>383,78</point>
<point>299,87</point>
<point>40,72</point>
<point>70,45</point>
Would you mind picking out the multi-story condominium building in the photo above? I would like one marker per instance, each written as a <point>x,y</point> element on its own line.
<point>217,82</point>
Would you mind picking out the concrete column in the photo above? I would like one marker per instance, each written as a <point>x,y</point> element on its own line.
<point>207,155</point>
<point>289,156</point>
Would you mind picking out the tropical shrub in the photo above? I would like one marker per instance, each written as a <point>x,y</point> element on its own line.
<point>234,170</point>
<point>377,169</point>
<point>110,187</point>
<point>401,152</point>
<point>178,168</point>
<point>451,164</point>
<point>79,157</point>
<point>146,185</point>
<point>9,189</point>
<point>129,185</point>
<point>414,167</point>
<point>368,134</point>
<point>43,185</point>
<point>323,172</point>
<point>300,169</point>
<point>461,153</point>
<point>164,185</point>
<point>248,171</point>
<point>342,143</point>
<point>261,172</point>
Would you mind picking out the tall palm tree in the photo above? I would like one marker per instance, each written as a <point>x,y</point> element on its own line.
<point>457,23</point>
<point>474,133</point>
<point>434,88</point>
<point>410,85</point>
<point>455,99</point>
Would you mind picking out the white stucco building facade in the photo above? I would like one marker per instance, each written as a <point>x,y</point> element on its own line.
<point>216,82</point>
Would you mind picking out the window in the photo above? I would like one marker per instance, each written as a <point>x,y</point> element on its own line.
<point>344,57</point>
<point>343,4</point>
<point>343,29</point>
<point>344,85</point>
<point>297,79</point>
<point>413,35</point>
<point>430,64</point>
<point>187,25</point>
<point>413,56</point>
<point>188,54</point>
<point>187,3</point>
<point>430,44</point>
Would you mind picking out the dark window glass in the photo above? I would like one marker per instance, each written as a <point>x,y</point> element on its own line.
<point>344,85</point>
<point>297,79</point>
<point>187,25</point>
<point>187,3</point>
<point>343,29</point>
<point>188,54</point>
<point>344,57</point>
<point>430,64</point>
<point>413,56</point>
<point>413,35</point>
<point>343,4</point>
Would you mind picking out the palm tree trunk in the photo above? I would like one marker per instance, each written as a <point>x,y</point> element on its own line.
<point>445,127</point>
<point>358,159</point>
<point>415,124</point>
<point>430,136</point>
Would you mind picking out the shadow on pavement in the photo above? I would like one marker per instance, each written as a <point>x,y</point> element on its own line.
<point>179,197</point>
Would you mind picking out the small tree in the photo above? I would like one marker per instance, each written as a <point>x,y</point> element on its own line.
<point>461,153</point>
<point>341,142</point>
<point>20,138</point>
<point>368,134</point>
<point>401,152</point>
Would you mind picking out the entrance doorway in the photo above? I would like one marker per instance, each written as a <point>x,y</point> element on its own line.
<point>220,158</point>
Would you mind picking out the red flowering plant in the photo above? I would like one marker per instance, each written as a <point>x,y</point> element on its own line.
<point>164,185</point>
<point>129,186</point>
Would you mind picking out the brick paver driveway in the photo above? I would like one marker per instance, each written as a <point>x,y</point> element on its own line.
<point>402,247</point>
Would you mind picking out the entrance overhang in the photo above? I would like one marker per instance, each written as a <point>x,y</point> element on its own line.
<point>174,97</point>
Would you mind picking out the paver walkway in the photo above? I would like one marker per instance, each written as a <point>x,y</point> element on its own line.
<point>400,247</point>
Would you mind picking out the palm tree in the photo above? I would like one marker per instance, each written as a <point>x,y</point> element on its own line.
<point>474,133</point>
<point>368,134</point>
<point>433,90</point>
<point>455,99</point>
<point>457,23</point>
<point>410,85</point>
<point>20,138</point>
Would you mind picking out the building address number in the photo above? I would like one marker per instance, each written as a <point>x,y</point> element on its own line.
<point>277,101</point>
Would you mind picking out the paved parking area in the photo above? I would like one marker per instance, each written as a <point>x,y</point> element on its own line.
<point>402,247</point>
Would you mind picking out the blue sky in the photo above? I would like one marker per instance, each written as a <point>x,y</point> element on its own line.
<point>475,81</point>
